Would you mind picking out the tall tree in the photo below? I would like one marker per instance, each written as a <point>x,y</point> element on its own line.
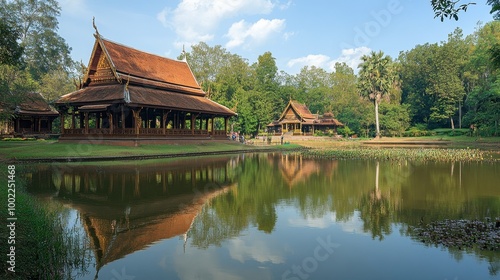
<point>482,84</point>
<point>376,79</point>
<point>267,89</point>
<point>446,83</point>
<point>314,85</point>
<point>10,50</point>
<point>44,49</point>
<point>207,62</point>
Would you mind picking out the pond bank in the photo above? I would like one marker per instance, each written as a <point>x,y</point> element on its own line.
<point>47,151</point>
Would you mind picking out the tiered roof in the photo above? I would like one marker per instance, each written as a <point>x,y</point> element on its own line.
<point>296,112</point>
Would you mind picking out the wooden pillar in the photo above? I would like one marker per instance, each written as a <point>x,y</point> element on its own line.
<point>61,116</point>
<point>86,122</point>
<point>225,123</point>
<point>110,121</point>
<point>163,122</point>
<point>193,118</point>
<point>206,123</point>
<point>98,120</point>
<point>213,126</point>
<point>123,116</point>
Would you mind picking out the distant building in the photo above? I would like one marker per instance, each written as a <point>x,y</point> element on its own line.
<point>130,95</point>
<point>33,117</point>
<point>296,119</point>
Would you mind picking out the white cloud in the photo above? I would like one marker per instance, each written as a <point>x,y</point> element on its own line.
<point>318,60</point>
<point>241,32</point>
<point>258,250</point>
<point>196,20</point>
<point>351,57</point>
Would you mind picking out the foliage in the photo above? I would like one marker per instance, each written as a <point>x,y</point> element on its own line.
<point>44,49</point>
<point>10,50</point>
<point>345,131</point>
<point>377,78</point>
<point>401,154</point>
<point>448,9</point>
<point>451,8</point>
<point>14,83</point>
<point>395,118</point>
<point>38,59</point>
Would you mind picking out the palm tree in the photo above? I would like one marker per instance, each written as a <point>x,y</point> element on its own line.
<point>376,79</point>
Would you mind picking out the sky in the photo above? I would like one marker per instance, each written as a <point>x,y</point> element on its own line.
<point>298,33</point>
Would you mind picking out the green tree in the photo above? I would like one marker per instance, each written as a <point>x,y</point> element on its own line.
<point>10,50</point>
<point>314,85</point>
<point>451,8</point>
<point>446,83</point>
<point>36,21</point>
<point>416,68</point>
<point>14,84</point>
<point>206,63</point>
<point>482,103</point>
<point>395,118</point>
<point>376,79</point>
<point>267,92</point>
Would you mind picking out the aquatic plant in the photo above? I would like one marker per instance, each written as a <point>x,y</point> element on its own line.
<point>398,154</point>
<point>461,234</point>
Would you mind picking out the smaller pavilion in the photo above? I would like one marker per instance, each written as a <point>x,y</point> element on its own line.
<point>298,120</point>
<point>32,117</point>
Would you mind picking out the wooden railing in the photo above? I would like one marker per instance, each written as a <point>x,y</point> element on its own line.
<point>143,132</point>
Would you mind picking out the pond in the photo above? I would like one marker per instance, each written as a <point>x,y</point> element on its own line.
<point>270,216</point>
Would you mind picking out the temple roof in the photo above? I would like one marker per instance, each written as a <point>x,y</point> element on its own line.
<point>300,109</point>
<point>143,96</point>
<point>35,104</point>
<point>296,112</point>
<point>146,68</point>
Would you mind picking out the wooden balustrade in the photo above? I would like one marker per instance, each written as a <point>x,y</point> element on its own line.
<point>143,132</point>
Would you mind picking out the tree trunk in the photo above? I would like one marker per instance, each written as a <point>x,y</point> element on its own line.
<point>377,125</point>
<point>452,123</point>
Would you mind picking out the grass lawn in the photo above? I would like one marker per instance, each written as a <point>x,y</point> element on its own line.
<point>12,150</point>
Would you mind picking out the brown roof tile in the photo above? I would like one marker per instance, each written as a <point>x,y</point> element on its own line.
<point>130,61</point>
<point>144,96</point>
<point>35,104</point>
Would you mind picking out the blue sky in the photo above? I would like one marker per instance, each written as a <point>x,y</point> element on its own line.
<point>296,32</point>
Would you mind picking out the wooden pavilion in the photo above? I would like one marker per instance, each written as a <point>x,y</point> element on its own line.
<point>33,117</point>
<point>131,96</point>
<point>298,120</point>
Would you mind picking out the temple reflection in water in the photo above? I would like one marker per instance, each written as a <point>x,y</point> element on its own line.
<point>124,208</point>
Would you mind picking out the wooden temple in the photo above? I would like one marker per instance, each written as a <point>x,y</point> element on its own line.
<point>129,94</point>
<point>296,119</point>
<point>33,117</point>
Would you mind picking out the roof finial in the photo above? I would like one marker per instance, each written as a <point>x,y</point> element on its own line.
<point>184,57</point>
<point>95,27</point>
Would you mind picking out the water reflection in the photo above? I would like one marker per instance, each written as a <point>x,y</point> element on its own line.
<point>125,208</point>
<point>263,213</point>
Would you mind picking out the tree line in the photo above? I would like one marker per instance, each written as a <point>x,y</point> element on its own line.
<point>452,84</point>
